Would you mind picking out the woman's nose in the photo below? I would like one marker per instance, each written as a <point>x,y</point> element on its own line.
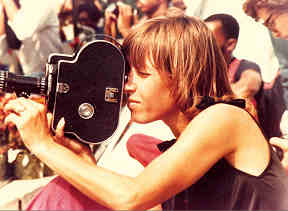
<point>129,83</point>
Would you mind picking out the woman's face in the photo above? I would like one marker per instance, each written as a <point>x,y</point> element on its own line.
<point>276,21</point>
<point>149,97</point>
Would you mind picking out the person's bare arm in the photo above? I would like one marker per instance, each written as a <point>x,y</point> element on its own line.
<point>125,18</point>
<point>248,85</point>
<point>110,24</point>
<point>167,175</point>
<point>98,5</point>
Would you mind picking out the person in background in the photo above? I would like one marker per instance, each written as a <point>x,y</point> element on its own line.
<point>244,75</point>
<point>128,17</point>
<point>40,36</point>
<point>178,57</point>
<point>274,15</point>
<point>80,21</point>
<point>271,13</point>
<point>29,30</point>
<point>281,51</point>
<point>179,4</point>
<point>254,42</point>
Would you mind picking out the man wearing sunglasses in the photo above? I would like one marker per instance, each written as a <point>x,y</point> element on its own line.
<point>272,13</point>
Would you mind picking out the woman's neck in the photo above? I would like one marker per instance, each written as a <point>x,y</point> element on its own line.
<point>177,123</point>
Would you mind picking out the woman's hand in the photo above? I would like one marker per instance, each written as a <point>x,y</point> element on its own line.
<point>74,145</point>
<point>31,121</point>
<point>283,144</point>
<point>33,124</point>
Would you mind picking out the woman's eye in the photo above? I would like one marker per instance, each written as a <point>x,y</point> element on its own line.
<point>143,73</point>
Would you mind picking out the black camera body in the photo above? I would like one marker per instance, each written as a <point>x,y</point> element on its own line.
<point>85,88</point>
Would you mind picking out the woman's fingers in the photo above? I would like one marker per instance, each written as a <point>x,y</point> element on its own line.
<point>49,119</point>
<point>14,107</point>
<point>12,118</point>
<point>31,118</point>
<point>18,105</point>
<point>6,97</point>
<point>61,139</point>
<point>59,132</point>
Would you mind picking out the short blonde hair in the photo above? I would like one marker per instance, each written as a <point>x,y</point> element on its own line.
<point>186,49</point>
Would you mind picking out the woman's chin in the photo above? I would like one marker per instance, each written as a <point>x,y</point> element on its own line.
<point>140,119</point>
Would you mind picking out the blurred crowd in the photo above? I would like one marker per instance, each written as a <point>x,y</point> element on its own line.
<point>250,34</point>
<point>31,30</point>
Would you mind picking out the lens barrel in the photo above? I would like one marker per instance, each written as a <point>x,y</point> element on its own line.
<point>22,85</point>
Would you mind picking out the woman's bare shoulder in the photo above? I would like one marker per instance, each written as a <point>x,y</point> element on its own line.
<point>222,123</point>
<point>216,126</point>
<point>223,113</point>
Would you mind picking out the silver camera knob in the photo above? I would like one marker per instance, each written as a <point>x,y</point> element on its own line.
<point>86,110</point>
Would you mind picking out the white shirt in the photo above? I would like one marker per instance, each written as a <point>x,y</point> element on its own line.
<point>36,24</point>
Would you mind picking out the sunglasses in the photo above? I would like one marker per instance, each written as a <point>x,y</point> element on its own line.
<point>270,21</point>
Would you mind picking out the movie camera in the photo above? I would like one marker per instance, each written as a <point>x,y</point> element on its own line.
<point>85,88</point>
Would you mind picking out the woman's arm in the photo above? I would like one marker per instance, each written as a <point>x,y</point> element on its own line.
<point>199,147</point>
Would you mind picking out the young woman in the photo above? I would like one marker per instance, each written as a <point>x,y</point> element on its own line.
<point>221,160</point>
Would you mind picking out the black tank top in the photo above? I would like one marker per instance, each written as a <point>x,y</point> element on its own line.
<point>227,188</point>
